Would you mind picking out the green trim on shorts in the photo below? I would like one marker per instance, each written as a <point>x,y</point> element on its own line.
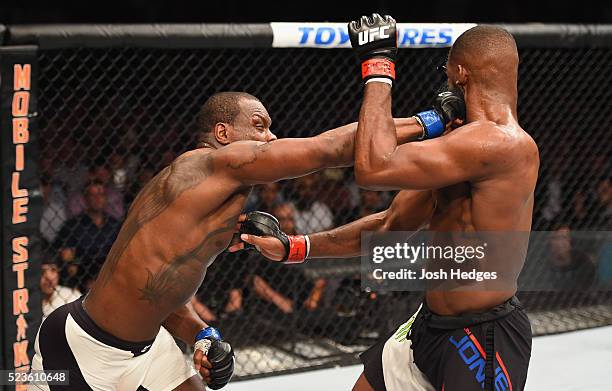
<point>404,330</point>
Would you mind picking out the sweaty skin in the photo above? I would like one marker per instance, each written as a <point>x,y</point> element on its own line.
<point>187,214</point>
<point>482,175</point>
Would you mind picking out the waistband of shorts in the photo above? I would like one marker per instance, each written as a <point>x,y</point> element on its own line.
<point>469,319</point>
<point>82,318</point>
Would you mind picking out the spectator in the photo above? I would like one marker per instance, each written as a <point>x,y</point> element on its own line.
<point>312,215</point>
<point>336,190</point>
<point>266,197</point>
<point>274,282</point>
<point>70,173</point>
<point>205,313</point>
<point>284,286</point>
<point>122,167</point>
<point>553,180</point>
<point>580,208</point>
<point>53,294</point>
<point>85,240</point>
<point>54,209</point>
<point>221,294</point>
<point>571,268</point>
<point>114,199</point>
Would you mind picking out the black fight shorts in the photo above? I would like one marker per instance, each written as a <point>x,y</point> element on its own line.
<point>476,351</point>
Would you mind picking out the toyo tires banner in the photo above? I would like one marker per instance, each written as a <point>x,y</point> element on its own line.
<point>335,35</point>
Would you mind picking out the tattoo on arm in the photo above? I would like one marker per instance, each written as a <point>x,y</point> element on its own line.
<point>341,150</point>
<point>183,174</point>
<point>250,158</point>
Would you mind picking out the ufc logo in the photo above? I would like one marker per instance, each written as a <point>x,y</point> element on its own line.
<point>373,34</point>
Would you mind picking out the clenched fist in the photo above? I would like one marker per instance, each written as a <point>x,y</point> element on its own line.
<point>374,39</point>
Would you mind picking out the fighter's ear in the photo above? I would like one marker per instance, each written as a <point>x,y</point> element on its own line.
<point>462,75</point>
<point>221,133</point>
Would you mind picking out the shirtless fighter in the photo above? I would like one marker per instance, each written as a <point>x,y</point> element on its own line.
<point>478,177</point>
<point>119,337</point>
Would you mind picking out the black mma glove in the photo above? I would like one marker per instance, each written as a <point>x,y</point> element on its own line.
<point>264,224</point>
<point>374,39</point>
<point>448,106</point>
<point>220,355</point>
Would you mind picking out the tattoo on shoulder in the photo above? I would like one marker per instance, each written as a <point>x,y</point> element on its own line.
<point>184,173</point>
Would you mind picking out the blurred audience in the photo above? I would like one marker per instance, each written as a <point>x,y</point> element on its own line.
<point>114,205</point>
<point>553,186</point>
<point>54,209</point>
<point>283,285</point>
<point>221,295</point>
<point>54,295</point>
<point>312,215</point>
<point>274,282</point>
<point>571,267</point>
<point>145,174</point>
<point>84,240</point>
<point>335,190</point>
<point>265,198</point>
<point>122,167</point>
<point>68,168</point>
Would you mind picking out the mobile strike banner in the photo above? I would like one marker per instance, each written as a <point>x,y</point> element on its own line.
<point>21,207</point>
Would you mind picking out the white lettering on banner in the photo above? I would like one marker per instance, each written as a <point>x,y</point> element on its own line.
<point>371,34</point>
<point>335,35</point>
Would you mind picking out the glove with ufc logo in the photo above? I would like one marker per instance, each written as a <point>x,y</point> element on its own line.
<point>374,39</point>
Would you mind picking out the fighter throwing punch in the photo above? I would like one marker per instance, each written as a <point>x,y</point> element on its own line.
<point>119,337</point>
<point>478,177</point>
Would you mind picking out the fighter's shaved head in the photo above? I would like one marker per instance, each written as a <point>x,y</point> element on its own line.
<point>221,107</point>
<point>485,51</point>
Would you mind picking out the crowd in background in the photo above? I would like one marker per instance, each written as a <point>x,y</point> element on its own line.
<point>86,200</point>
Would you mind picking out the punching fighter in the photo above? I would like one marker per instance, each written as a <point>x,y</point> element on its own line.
<point>119,336</point>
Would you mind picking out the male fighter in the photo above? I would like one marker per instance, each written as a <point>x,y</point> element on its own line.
<point>119,336</point>
<point>479,177</point>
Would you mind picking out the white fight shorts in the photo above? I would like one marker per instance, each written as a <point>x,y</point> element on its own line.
<point>68,339</point>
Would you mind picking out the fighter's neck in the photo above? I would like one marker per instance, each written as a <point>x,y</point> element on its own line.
<point>495,107</point>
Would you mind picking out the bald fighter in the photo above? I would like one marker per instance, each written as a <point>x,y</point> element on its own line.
<point>119,337</point>
<point>478,177</point>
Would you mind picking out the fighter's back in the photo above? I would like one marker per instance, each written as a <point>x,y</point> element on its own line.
<point>180,221</point>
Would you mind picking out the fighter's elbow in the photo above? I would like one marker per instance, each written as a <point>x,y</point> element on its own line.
<point>368,179</point>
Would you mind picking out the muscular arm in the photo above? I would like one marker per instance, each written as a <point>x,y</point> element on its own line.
<point>408,211</point>
<point>464,154</point>
<point>254,162</point>
<point>184,324</point>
